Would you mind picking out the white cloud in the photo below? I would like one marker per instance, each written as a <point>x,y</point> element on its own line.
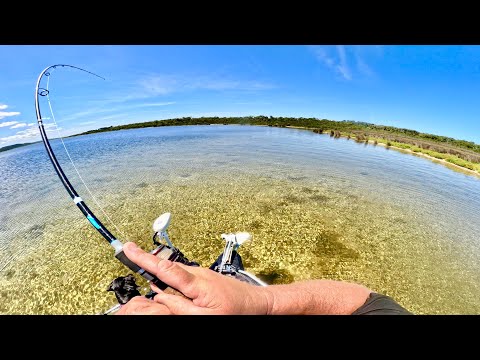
<point>8,113</point>
<point>8,123</point>
<point>109,117</point>
<point>363,67</point>
<point>322,55</point>
<point>160,84</point>
<point>339,59</point>
<point>29,133</point>
<point>363,52</point>
<point>84,114</point>
<point>155,85</point>
<point>337,63</point>
<point>209,83</point>
<point>19,125</point>
<point>342,67</point>
<point>94,111</point>
<point>4,114</point>
<point>155,104</point>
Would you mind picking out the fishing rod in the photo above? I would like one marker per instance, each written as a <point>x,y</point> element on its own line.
<point>94,221</point>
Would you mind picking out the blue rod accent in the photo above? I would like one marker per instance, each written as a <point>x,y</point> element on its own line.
<point>92,220</point>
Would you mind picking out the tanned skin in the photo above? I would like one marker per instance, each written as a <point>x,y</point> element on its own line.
<point>210,293</point>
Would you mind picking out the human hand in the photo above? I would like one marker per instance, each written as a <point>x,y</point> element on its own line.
<point>208,292</point>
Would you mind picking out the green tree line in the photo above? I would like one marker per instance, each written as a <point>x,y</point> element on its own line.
<point>313,123</point>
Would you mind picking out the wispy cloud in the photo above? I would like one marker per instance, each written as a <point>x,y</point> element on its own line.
<point>8,123</point>
<point>337,62</point>
<point>155,104</point>
<point>84,114</point>
<point>159,84</point>
<point>147,93</point>
<point>83,126</point>
<point>363,67</point>
<point>343,60</point>
<point>19,125</point>
<point>361,52</point>
<point>4,114</point>
<point>343,66</point>
<point>28,134</point>
<point>253,103</point>
<point>95,111</point>
<point>114,116</point>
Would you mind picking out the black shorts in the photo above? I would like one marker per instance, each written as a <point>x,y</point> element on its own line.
<point>378,304</point>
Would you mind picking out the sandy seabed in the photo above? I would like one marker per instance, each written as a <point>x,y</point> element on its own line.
<point>302,230</point>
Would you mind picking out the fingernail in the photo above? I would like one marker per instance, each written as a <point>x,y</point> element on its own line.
<point>132,247</point>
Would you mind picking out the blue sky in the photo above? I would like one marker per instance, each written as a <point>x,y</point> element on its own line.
<point>434,89</point>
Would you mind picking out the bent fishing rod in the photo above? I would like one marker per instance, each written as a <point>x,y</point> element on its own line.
<point>94,221</point>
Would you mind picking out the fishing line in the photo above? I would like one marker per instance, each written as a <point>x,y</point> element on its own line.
<point>94,221</point>
<point>69,157</point>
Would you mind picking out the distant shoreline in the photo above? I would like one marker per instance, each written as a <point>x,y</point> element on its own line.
<point>443,162</point>
<point>11,147</point>
<point>459,154</point>
<point>434,159</point>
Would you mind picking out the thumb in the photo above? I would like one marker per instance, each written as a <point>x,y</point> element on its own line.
<point>140,305</point>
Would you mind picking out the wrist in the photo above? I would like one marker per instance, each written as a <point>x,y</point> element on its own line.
<point>282,300</point>
<point>264,300</point>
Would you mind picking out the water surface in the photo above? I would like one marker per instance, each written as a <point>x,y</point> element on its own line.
<point>318,207</point>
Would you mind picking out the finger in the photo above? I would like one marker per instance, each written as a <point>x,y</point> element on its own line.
<point>140,305</point>
<point>177,305</point>
<point>155,288</point>
<point>167,271</point>
<point>153,309</point>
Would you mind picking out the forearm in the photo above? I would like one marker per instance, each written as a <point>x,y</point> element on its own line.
<point>315,297</point>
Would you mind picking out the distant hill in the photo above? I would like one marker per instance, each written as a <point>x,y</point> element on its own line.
<point>10,147</point>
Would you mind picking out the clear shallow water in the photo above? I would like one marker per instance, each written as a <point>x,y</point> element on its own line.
<point>318,208</point>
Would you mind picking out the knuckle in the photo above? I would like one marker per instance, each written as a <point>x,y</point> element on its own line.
<point>165,265</point>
